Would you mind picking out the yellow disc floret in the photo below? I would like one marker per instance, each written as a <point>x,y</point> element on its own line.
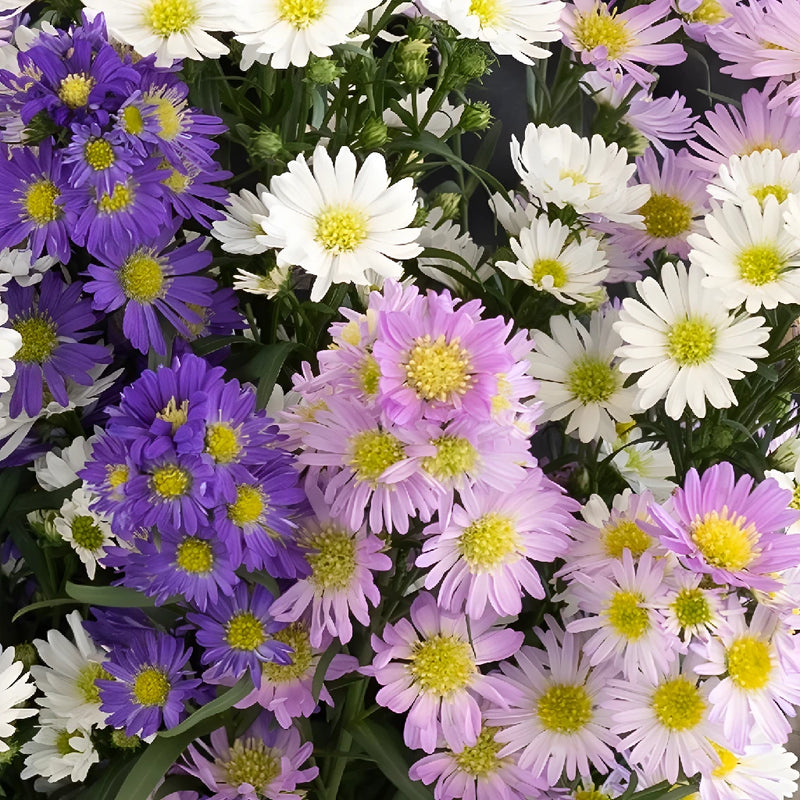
<point>625,535</point>
<point>297,637</point>
<point>369,375</point>
<point>455,456</point>
<point>99,154</point>
<point>86,532</point>
<point>726,542</point>
<point>487,11</point>
<point>175,414</point>
<point>481,758</point>
<point>340,229</point>
<point>776,190</point>
<point>760,264</point>
<point>222,442</point>
<point>372,453</point>
<point>548,267</point>
<point>332,559</point>
<point>74,90</point>
<point>85,683</point>
<point>691,608</point>
<point>435,369</point>
<point>591,380</point>
<point>244,631</point>
<point>171,481</point>
<point>626,615</point>
<point>39,338</point>
<point>564,708</point>
<point>749,663</point>
<point>488,541</point>
<point>599,28</point>
<point>195,556</point>
<point>727,761</point>
<point>120,198</point>
<point>666,216</point>
<point>40,201</point>
<point>251,762</point>
<point>151,687</point>
<point>141,277</point>
<point>301,13</point>
<point>442,664</point>
<point>167,17</point>
<point>709,12</point>
<point>691,341</point>
<point>678,704</point>
<point>248,506</point>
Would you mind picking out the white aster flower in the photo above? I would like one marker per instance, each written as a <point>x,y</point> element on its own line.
<point>341,223</point>
<point>645,465</point>
<point>269,285</point>
<point>18,265</point>
<point>10,342</point>
<point>56,470</point>
<point>748,255</point>
<point>87,531</point>
<point>551,261</point>
<point>510,27</point>
<point>442,120</point>
<point>578,376</point>
<point>68,680</point>
<point>558,166</point>
<point>170,29</point>
<point>791,216</point>
<point>283,32</point>
<point>762,174</point>
<point>687,346</point>
<point>513,212</point>
<point>242,223</point>
<point>15,688</point>
<point>57,752</point>
<point>790,481</point>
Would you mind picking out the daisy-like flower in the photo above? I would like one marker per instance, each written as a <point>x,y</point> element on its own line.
<point>58,468</point>
<point>511,28</point>
<point>554,712</point>
<point>687,346</point>
<point>690,610</point>
<point>98,158</point>
<point>15,688</point>
<point>428,666</point>
<point>621,609</point>
<point>270,285</point>
<point>791,217</point>
<point>728,529</point>
<point>264,762</point>
<point>571,271</point>
<point>151,683</point>
<point>57,753</point>
<point>748,256</point>
<point>415,107</point>
<point>579,378</point>
<point>242,223</point>
<point>558,166</point>
<point>281,33</point>
<point>87,531</point>
<point>758,685</point>
<point>169,29</point>
<point>67,681</point>
<point>340,222</point>
<point>646,466</point>
<point>762,174</point>
<point>20,265</point>
<point>10,343</point>
<point>613,43</point>
<point>481,551</point>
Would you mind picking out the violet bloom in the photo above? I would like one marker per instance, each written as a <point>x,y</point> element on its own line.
<point>52,320</point>
<point>98,158</point>
<point>729,530</point>
<point>151,686</point>
<point>189,189</point>
<point>428,666</point>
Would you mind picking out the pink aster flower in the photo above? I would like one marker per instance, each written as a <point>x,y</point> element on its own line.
<point>741,38</point>
<point>428,666</point>
<point>615,43</point>
<point>340,581</point>
<point>482,550</point>
<point>728,529</point>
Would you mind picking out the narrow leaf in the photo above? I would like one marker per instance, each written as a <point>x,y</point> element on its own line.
<point>113,596</point>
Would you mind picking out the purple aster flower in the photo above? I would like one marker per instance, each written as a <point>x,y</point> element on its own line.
<point>728,529</point>
<point>33,194</point>
<point>265,762</point>
<point>188,189</point>
<point>137,123</point>
<point>219,317</point>
<point>52,320</point>
<point>107,471</point>
<point>99,158</point>
<point>151,686</point>
<point>236,634</point>
<point>111,626</point>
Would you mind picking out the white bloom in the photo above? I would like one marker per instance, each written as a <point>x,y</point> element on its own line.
<point>791,216</point>
<point>579,378</point>
<point>280,33</point>
<point>58,470</point>
<point>268,285</point>
<point>340,223</point>
<point>513,212</point>
<point>571,271</point>
<point>68,680</point>
<point>15,688</point>
<point>19,265</point>
<point>242,223</point>
<point>86,530</point>
<point>10,342</point>
<point>790,481</point>
<point>510,27</point>
<point>558,166</point>
<point>170,29</point>
<point>441,121</point>
<point>762,174</point>
<point>645,466</point>
<point>686,345</point>
<point>748,256</point>
<point>57,752</point>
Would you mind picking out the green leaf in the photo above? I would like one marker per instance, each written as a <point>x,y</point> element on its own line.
<point>178,783</point>
<point>113,596</point>
<point>662,791</point>
<point>210,344</point>
<point>268,362</point>
<point>108,781</point>
<point>58,601</point>
<point>222,703</point>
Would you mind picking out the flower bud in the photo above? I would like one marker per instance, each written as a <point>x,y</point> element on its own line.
<point>472,60</point>
<point>323,71</point>
<point>374,134</point>
<point>449,202</point>
<point>26,654</point>
<point>476,117</point>
<point>265,143</point>
<point>411,59</point>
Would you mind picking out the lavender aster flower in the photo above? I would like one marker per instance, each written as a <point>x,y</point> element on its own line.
<point>98,158</point>
<point>107,471</point>
<point>188,189</point>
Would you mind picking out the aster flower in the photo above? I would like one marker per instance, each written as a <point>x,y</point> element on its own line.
<point>57,753</point>
<point>99,159</point>
<point>554,714</point>
<point>645,465</point>
<point>241,222</point>
<point>428,666</point>
<point>58,468</point>
<point>190,191</point>
<point>762,174</point>
<point>728,528</point>
<point>690,609</point>
<point>685,344</point>
<point>270,285</point>
<point>52,320</point>
<point>106,473</point>
<point>481,551</point>
<point>87,531</point>
<point>341,221</point>
<point>415,107</point>
<point>19,264</point>
<point>10,343</point>
<point>237,635</point>
<point>151,684</point>
<point>15,688</point>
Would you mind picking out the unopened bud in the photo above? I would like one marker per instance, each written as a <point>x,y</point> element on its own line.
<point>476,117</point>
<point>323,71</point>
<point>449,202</point>
<point>411,60</point>
<point>374,134</point>
<point>265,143</point>
<point>26,654</point>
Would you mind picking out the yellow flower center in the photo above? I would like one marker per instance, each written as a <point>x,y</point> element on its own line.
<point>564,708</point>
<point>761,193</point>
<point>195,556</point>
<point>244,631</point>
<point>222,443</point>
<point>591,380</point>
<point>369,375</point>
<point>760,264</point>
<point>727,761</point>
<point>455,456</point>
<point>39,338</point>
<point>436,369</point>
<point>666,216</point>
<point>171,481</point>
<point>442,665</point>
<point>248,506</point>
<point>678,705</point>
<point>627,617</point>
<point>85,683</point>
<point>481,758</point>
<point>749,663</point>
<point>62,743</point>
<point>251,761</point>
<point>40,202</point>
<point>167,17</point>
<point>169,119</point>
<point>175,414</point>
<point>86,533</point>
<point>725,543</point>
<point>151,687</point>
<point>795,501</point>
<point>332,560</point>
<point>141,278</point>
<point>625,535</point>
<point>545,267</point>
<point>488,541</point>
<point>373,452</point>
<point>301,13</point>
<point>120,198</point>
<point>691,608</point>
<point>709,12</point>
<point>177,181</point>
<point>487,11</point>
<point>340,229</point>
<point>74,90</point>
<point>118,475</point>
<point>296,636</point>
<point>602,29</point>
<point>590,794</point>
<point>132,120</point>
<point>691,341</point>
<point>99,154</point>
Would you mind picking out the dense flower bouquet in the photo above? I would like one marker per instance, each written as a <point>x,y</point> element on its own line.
<point>335,466</point>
